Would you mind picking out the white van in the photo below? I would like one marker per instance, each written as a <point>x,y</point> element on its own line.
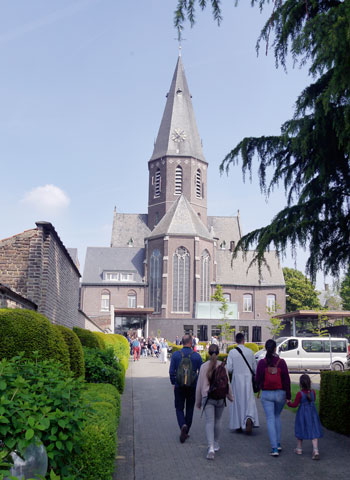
<point>311,353</point>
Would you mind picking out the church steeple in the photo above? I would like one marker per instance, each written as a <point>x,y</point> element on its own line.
<point>178,134</point>
<point>177,166</point>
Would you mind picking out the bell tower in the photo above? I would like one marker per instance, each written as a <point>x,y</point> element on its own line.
<point>177,165</point>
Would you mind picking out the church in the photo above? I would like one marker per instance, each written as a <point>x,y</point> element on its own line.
<point>163,266</point>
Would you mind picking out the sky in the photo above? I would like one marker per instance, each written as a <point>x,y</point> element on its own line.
<point>82,93</point>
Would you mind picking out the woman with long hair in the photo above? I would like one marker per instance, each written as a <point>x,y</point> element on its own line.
<point>273,379</point>
<point>212,390</point>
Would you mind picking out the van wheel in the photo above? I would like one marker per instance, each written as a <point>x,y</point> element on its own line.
<point>337,366</point>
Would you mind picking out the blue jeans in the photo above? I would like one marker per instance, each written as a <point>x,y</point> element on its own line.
<point>273,402</point>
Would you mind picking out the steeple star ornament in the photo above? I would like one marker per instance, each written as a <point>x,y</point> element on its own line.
<point>178,135</point>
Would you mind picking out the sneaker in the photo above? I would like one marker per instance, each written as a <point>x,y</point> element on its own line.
<point>210,454</point>
<point>274,452</point>
<point>279,448</point>
<point>315,455</point>
<point>183,434</point>
<point>248,426</point>
<point>216,447</point>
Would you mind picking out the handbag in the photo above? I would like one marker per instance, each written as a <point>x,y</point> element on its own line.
<point>255,386</point>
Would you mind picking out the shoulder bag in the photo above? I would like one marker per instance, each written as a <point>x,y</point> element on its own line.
<point>255,386</point>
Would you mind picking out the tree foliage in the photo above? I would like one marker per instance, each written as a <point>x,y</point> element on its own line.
<point>301,293</point>
<point>345,291</point>
<point>227,330</point>
<point>310,157</point>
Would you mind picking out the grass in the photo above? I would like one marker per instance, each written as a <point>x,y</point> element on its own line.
<point>295,389</point>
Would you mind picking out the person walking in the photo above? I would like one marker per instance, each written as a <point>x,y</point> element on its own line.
<point>307,421</point>
<point>136,347</point>
<point>273,379</point>
<point>184,368</point>
<point>163,350</point>
<point>177,340</point>
<point>243,411</point>
<point>213,387</point>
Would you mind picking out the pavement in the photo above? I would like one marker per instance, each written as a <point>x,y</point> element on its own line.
<point>149,446</point>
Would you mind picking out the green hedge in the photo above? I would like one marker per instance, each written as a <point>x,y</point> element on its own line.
<point>76,354</point>
<point>334,401</point>
<point>252,346</point>
<point>102,366</point>
<point>89,339</point>
<point>120,346</point>
<point>98,441</point>
<point>28,331</point>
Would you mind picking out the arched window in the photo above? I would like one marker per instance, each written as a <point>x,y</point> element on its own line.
<point>155,281</point>
<point>205,278</point>
<point>227,296</point>
<point>157,184</point>
<point>178,180</point>
<point>247,302</point>
<point>223,245</point>
<point>198,184</point>
<point>131,299</point>
<point>181,280</point>
<point>271,303</point>
<point>105,300</point>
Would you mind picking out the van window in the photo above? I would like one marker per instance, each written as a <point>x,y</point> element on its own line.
<point>312,346</point>
<point>338,346</point>
<point>290,345</point>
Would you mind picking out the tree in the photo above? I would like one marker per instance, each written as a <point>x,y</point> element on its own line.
<point>345,291</point>
<point>311,156</point>
<point>277,325</point>
<point>301,293</point>
<point>227,330</point>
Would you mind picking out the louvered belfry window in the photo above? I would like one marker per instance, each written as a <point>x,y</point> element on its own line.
<point>157,184</point>
<point>198,184</point>
<point>181,280</point>
<point>178,180</point>
<point>155,281</point>
<point>205,280</point>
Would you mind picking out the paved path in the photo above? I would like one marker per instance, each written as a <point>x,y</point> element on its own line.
<point>149,447</point>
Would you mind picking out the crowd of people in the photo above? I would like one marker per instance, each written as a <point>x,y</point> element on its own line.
<point>148,347</point>
<point>208,386</point>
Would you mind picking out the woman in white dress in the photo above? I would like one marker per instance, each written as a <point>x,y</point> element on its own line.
<point>163,350</point>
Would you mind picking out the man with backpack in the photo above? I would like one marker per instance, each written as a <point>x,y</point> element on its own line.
<point>184,369</point>
<point>241,362</point>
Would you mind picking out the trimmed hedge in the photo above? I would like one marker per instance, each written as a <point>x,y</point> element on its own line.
<point>120,346</point>
<point>98,441</point>
<point>252,346</point>
<point>89,339</point>
<point>28,331</point>
<point>334,401</point>
<point>101,366</point>
<point>76,354</point>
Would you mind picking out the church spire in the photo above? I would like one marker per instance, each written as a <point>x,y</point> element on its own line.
<point>178,134</point>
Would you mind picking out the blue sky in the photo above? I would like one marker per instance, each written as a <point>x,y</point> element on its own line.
<point>82,93</point>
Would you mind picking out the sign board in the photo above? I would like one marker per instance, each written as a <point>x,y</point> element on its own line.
<point>200,347</point>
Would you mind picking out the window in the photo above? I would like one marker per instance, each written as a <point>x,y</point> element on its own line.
<point>247,302</point>
<point>245,331</point>
<point>216,330</point>
<point>290,345</point>
<point>271,303</point>
<point>312,346</point>
<point>198,184</point>
<point>131,299</point>
<point>227,296</point>
<point>188,329</point>
<point>156,218</point>
<point>181,280</point>
<point>105,296</point>
<point>256,334</point>
<point>126,277</point>
<point>118,276</point>
<point>157,184</point>
<point>223,245</point>
<point>202,333</point>
<point>338,346</point>
<point>205,278</point>
<point>178,180</point>
<point>155,281</point>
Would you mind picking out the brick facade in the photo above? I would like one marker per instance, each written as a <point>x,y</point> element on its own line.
<point>36,265</point>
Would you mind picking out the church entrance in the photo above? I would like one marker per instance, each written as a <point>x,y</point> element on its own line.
<point>132,319</point>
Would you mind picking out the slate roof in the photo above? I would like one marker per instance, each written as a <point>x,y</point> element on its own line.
<point>225,228</point>
<point>178,117</point>
<point>181,220</point>
<point>238,274</point>
<point>128,226</point>
<point>100,259</point>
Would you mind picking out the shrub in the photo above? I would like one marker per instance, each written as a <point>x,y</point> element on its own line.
<point>76,354</point>
<point>40,400</point>
<point>98,442</point>
<point>28,331</point>
<point>89,339</point>
<point>253,346</point>
<point>334,401</point>
<point>101,366</point>
<point>120,346</point>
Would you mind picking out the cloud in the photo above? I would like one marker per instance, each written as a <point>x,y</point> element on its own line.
<point>47,199</point>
